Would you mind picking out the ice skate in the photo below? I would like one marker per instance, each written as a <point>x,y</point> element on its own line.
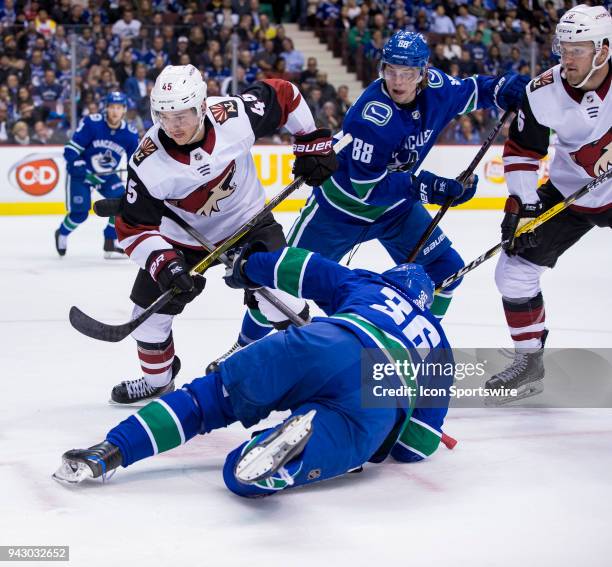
<point>61,242</point>
<point>82,464</point>
<point>138,392</point>
<point>264,457</point>
<point>525,374</point>
<point>112,250</point>
<point>214,365</point>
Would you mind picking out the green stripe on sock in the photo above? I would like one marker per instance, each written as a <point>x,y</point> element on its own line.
<point>289,270</point>
<point>162,426</point>
<point>420,437</point>
<point>440,305</point>
<point>69,224</point>
<point>259,317</point>
<point>304,213</point>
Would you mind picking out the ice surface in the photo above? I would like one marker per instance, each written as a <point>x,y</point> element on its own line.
<point>523,487</point>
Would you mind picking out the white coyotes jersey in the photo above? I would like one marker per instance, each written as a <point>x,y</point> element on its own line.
<point>214,187</point>
<point>211,184</point>
<point>582,122</point>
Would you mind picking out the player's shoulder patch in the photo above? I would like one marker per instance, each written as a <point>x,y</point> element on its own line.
<point>377,112</point>
<point>224,110</point>
<point>95,117</point>
<point>435,78</point>
<point>546,78</point>
<point>144,150</point>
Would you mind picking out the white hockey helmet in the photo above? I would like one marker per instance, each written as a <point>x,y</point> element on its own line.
<point>178,87</point>
<point>585,23</point>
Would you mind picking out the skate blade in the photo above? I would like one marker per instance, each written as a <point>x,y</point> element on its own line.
<point>528,391</point>
<point>72,473</point>
<point>265,459</point>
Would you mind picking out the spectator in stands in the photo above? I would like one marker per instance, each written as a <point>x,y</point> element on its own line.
<point>44,25</point>
<point>279,71</point>
<point>218,70</point>
<point>373,49</point>
<point>157,50</point>
<point>124,67</point>
<point>293,58</point>
<point>20,134</point>
<point>8,13</point>
<point>466,134</point>
<point>328,12</point>
<point>127,26</point>
<point>516,62</point>
<point>266,27</point>
<point>309,75</point>
<point>467,67</point>
<point>439,59</point>
<point>136,87</point>
<point>43,134</point>
<point>452,49</point>
<point>494,63</point>
<point>327,117</point>
<point>440,22</point>
<point>227,86</point>
<point>466,19</point>
<point>245,60</point>
<point>343,103</point>
<point>4,129</point>
<point>49,92</point>
<point>266,58</point>
<point>359,35</point>
<point>422,23</point>
<point>314,101</point>
<point>213,88</point>
<point>328,92</point>
<point>182,48</point>
<point>379,23</point>
<point>478,50</point>
<point>158,66</point>
<point>477,9</point>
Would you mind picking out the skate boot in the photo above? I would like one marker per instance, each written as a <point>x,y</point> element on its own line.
<point>214,365</point>
<point>61,243</point>
<point>138,392</point>
<point>81,464</point>
<point>268,454</point>
<point>525,374</point>
<point>112,250</point>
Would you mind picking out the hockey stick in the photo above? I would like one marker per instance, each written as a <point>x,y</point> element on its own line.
<point>463,178</point>
<point>531,225</point>
<point>115,333</point>
<point>109,207</point>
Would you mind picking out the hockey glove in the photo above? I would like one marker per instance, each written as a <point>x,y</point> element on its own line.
<point>77,169</point>
<point>315,159</point>
<point>235,275</point>
<point>516,215</point>
<point>168,269</point>
<point>510,90</point>
<point>436,190</point>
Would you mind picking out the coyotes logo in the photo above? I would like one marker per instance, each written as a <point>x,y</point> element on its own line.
<point>146,148</point>
<point>542,80</point>
<point>223,111</point>
<point>596,157</point>
<point>205,199</point>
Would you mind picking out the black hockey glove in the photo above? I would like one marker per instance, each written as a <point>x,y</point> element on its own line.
<point>510,90</point>
<point>168,269</point>
<point>235,275</point>
<point>516,215</point>
<point>315,159</point>
<point>432,188</point>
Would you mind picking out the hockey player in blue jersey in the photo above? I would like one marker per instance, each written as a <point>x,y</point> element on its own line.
<point>92,158</point>
<point>374,194</point>
<point>315,371</point>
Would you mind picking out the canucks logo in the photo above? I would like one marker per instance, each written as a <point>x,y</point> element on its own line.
<point>434,79</point>
<point>377,112</point>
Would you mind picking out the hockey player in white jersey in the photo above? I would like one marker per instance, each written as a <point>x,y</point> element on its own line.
<point>573,99</point>
<point>196,161</point>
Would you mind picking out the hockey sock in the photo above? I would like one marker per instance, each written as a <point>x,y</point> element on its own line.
<point>71,222</point>
<point>441,303</point>
<point>254,327</point>
<point>525,318</point>
<point>173,419</point>
<point>109,231</point>
<point>156,361</point>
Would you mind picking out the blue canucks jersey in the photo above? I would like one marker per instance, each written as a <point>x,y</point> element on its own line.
<point>101,146</point>
<point>390,141</point>
<point>380,314</point>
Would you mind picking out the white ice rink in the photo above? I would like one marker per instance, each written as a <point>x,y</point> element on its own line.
<point>522,488</point>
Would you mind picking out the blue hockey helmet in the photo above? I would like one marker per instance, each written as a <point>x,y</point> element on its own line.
<point>413,281</point>
<point>406,48</point>
<point>116,97</point>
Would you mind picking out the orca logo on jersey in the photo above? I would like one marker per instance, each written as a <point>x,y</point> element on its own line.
<point>542,80</point>
<point>146,148</point>
<point>596,157</point>
<point>223,111</point>
<point>205,199</point>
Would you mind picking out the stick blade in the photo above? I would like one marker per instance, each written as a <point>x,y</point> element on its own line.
<point>94,329</point>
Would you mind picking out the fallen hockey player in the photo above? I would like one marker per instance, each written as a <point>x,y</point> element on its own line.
<point>316,371</point>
